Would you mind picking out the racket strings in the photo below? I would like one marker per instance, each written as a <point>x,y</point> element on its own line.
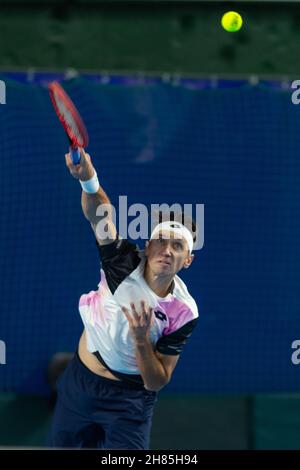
<point>68,118</point>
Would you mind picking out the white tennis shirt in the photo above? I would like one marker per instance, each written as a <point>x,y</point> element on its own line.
<point>107,328</point>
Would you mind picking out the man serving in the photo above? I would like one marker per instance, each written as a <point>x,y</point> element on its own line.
<point>135,327</point>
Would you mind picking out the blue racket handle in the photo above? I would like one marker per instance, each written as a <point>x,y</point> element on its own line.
<point>75,154</point>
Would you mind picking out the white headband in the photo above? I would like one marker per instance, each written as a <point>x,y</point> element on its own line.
<point>175,227</point>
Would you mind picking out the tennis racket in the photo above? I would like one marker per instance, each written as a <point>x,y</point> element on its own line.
<point>70,120</point>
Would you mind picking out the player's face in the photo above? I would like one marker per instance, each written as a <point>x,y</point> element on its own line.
<point>168,254</point>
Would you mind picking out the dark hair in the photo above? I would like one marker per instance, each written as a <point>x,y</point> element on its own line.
<point>180,217</point>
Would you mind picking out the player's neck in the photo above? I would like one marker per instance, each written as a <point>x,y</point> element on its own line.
<point>161,285</point>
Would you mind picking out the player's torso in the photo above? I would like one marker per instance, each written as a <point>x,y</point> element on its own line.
<point>133,289</point>
<point>107,328</point>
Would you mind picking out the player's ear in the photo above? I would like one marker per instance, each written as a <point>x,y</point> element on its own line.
<point>188,261</point>
<point>147,248</point>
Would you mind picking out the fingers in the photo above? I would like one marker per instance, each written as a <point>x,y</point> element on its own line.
<point>151,317</point>
<point>74,169</point>
<point>85,158</point>
<point>139,319</point>
<point>125,311</point>
<point>68,159</point>
<point>135,314</point>
<point>146,312</point>
<point>69,162</point>
<point>139,323</point>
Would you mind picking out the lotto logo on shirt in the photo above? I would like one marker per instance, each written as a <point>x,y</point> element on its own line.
<point>160,315</point>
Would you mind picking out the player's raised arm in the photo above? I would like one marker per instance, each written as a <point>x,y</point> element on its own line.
<point>93,196</point>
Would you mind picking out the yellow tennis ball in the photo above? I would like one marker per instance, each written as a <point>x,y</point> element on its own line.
<point>232,21</point>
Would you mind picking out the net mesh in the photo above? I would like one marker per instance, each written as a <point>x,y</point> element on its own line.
<point>234,148</point>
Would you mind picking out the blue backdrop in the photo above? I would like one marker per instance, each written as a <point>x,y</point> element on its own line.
<point>231,146</point>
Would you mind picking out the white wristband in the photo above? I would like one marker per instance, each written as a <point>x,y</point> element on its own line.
<point>90,186</point>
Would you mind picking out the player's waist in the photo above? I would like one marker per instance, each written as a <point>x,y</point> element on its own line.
<point>101,379</point>
<point>134,380</point>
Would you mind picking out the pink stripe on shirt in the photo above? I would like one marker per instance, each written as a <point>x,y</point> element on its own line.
<point>178,313</point>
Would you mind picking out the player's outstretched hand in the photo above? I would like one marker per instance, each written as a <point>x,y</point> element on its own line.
<point>140,321</point>
<point>84,170</point>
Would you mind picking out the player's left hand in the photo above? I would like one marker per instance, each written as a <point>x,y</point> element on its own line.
<point>139,322</point>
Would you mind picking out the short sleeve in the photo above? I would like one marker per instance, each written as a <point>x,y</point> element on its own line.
<point>118,260</point>
<point>173,343</point>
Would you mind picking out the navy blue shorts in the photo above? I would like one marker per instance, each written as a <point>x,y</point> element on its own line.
<point>96,412</point>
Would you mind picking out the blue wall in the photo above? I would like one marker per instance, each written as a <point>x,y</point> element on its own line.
<point>234,148</point>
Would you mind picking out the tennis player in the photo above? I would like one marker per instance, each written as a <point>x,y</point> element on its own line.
<point>135,327</point>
